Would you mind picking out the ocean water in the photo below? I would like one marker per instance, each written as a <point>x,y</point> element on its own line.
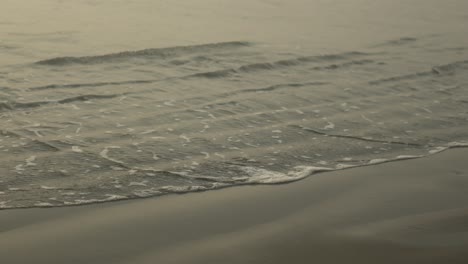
<point>109,100</point>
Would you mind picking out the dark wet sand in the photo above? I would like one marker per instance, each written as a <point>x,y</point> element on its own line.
<point>412,211</point>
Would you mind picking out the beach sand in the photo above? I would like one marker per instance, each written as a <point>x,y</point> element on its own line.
<point>412,211</point>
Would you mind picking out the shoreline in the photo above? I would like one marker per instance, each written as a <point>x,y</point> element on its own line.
<point>412,211</point>
<point>315,171</point>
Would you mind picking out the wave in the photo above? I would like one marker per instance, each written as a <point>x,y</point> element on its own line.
<point>398,42</point>
<point>7,47</point>
<point>342,65</point>
<point>300,60</point>
<point>268,66</point>
<point>368,139</point>
<point>212,74</point>
<point>276,87</point>
<point>449,68</point>
<point>248,68</point>
<point>94,84</point>
<point>246,175</point>
<point>154,53</point>
<point>402,77</point>
<point>87,97</point>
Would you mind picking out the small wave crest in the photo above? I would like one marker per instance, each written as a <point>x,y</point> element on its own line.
<point>449,68</point>
<point>300,60</point>
<point>153,53</point>
<point>269,66</point>
<point>243,69</point>
<point>398,42</point>
<point>93,84</point>
<point>20,105</point>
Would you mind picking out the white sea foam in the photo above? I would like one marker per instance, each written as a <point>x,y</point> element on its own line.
<point>3,205</point>
<point>30,161</point>
<point>403,157</point>
<point>108,198</point>
<point>329,126</point>
<point>19,167</point>
<point>104,153</point>
<point>182,189</point>
<point>147,192</point>
<point>377,161</point>
<point>457,144</point>
<point>253,175</point>
<point>187,139</point>
<point>259,175</point>
<point>437,150</point>
<point>76,149</point>
<point>143,183</point>
<point>43,204</point>
<point>342,166</point>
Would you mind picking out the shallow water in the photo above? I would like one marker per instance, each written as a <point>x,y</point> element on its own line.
<point>104,100</point>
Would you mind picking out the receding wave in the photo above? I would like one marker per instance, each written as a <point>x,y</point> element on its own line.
<point>246,175</point>
<point>153,53</point>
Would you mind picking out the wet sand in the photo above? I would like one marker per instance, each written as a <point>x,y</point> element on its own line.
<point>411,211</point>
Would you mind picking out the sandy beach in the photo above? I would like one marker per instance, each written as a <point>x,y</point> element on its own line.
<point>411,211</point>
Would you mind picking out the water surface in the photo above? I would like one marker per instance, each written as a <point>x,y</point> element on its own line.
<point>107,100</point>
